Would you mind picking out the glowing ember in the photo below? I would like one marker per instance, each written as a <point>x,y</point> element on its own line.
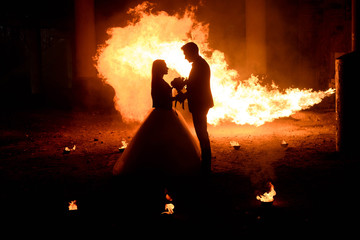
<point>125,60</point>
<point>268,196</point>
<point>73,206</point>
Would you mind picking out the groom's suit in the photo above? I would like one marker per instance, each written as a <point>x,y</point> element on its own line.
<point>200,100</point>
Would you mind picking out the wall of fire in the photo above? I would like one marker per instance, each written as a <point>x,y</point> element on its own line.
<point>300,40</point>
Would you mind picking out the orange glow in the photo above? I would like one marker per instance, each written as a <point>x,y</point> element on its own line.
<point>125,60</point>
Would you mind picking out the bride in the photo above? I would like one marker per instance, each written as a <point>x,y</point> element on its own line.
<point>163,146</point>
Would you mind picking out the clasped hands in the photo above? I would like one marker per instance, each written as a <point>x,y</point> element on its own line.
<point>179,83</point>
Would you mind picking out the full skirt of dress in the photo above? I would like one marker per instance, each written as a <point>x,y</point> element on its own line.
<point>163,146</point>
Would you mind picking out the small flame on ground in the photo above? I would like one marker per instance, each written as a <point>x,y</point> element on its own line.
<point>284,143</point>
<point>68,150</point>
<point>124,145</point>
<point>169,207</point>
<point>267,196</point>
<point>73,206</point>
<point>235,145</point>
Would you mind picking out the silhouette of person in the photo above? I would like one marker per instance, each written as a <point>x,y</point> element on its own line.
<point>161,92</point>
<point>163,146</point>
<point>200,100</point>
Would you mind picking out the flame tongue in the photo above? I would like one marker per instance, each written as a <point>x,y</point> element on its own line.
<point>268,196</point>
<point>125,60</point>
<point>73,206</point>
<point>169,209</point>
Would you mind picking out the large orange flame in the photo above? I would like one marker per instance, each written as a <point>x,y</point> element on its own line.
<point>125,60</point>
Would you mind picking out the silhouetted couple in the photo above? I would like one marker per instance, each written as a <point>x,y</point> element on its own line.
<point>163,145</point>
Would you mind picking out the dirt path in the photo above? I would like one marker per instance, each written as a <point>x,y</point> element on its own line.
<point>34,168</point>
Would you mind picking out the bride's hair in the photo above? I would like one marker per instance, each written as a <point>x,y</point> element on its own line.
<point>158,68</point>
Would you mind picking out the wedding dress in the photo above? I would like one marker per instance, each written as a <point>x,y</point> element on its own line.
<point>163,145</point>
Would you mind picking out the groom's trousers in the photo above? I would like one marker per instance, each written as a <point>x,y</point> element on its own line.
<point>200,125</point>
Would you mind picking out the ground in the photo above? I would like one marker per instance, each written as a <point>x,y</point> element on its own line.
<point>315,185</point>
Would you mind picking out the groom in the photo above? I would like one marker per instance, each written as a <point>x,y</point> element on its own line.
<point>199,99</point>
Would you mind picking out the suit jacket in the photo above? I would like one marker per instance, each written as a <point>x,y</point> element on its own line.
<point>198,87</point>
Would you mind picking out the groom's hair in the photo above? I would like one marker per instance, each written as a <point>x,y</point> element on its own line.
<point>190,47</point>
